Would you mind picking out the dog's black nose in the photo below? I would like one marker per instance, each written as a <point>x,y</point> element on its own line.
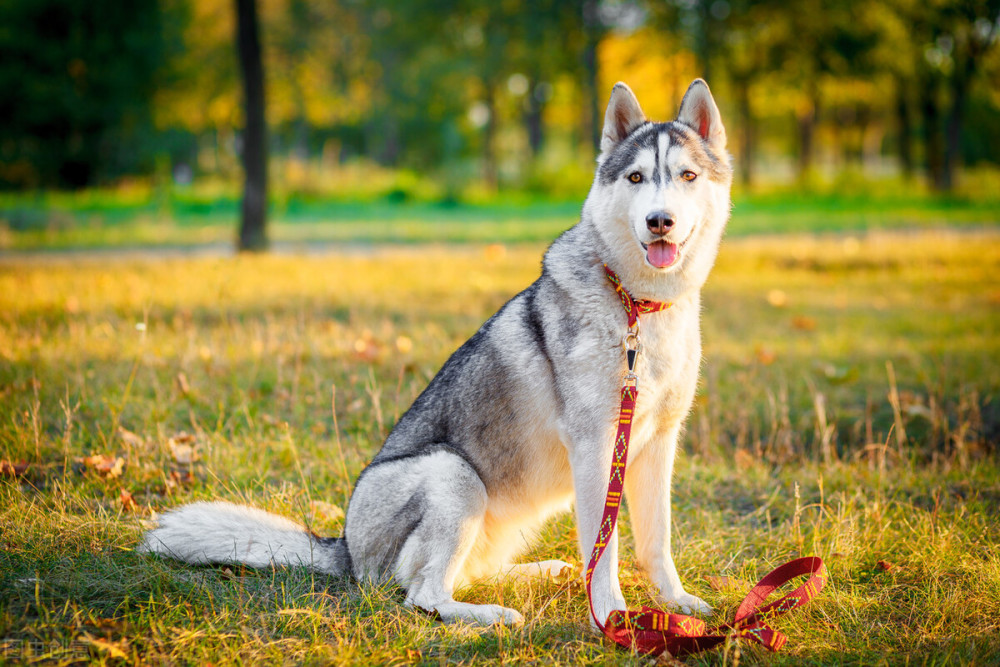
<point>659,222</point>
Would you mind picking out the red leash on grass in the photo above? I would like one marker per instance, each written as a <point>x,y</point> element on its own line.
<point>651,631</point>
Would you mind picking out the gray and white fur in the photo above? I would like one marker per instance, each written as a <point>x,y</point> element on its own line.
<point>519,423</point>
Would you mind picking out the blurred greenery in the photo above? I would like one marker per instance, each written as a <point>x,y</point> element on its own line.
<point>488,97</point>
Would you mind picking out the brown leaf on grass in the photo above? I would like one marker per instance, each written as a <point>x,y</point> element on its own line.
<point>803,323</point>
<point>130,438</point>
<point>666,659</point>
<point>127,501</point>
<point>723,584</point>
<point>181,477</point>
<point>8,469</point>
<point>886,566</point>
<point>744,459</point>
<point>764,355</point>
<point>105,465</point>
<point>414,655</point>
<point>182,448</point>
<point>112,649</point>
<point>568,575</point>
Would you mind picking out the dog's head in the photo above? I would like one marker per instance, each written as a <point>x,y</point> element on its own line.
<point>660,198</point>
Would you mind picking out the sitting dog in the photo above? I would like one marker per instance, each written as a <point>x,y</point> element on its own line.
<point>519,423</point>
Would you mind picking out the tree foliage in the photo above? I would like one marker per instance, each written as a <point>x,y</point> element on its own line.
<point>77,80</point>
<point>495,92</point>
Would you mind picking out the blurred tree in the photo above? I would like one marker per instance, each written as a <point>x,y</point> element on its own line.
<point>77,79</point>
<point>969,32</point>
<point>740,40</point>
<point>943,46</point>
<point>253,232</point>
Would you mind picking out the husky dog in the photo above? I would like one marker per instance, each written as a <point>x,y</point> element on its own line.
<point>519,423</point>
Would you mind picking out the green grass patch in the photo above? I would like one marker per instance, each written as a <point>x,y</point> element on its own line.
<point>848,409</point>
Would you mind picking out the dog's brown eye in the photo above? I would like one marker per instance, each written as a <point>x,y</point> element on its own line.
<point>635,177</point>
<point>689,176</point>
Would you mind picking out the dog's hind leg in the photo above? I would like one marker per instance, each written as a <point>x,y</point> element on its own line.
<point>427,511</point>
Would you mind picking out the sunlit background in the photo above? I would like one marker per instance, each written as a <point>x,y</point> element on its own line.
<point>461,102</point>
<point>419,157</point>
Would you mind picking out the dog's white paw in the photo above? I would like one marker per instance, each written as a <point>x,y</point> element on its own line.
<point>688,604</point>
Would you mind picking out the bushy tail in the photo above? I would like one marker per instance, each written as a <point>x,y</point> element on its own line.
<point>220,532</point>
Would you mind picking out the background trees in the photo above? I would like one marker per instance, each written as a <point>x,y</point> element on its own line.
<point>490,95</point>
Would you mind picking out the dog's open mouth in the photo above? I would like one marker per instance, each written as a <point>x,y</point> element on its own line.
<point>662,254</point>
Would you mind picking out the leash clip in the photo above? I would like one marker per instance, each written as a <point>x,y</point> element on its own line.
<point>631,343</point>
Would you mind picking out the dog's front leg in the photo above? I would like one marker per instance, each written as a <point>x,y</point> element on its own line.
<point>647,488</point>
<point>591,463</point>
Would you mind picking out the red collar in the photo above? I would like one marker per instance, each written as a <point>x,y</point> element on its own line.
<point>634,307</point>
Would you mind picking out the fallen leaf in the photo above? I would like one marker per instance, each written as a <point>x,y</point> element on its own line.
<point>367,350</point>
<point>666,659</point>
<point>568,574</point>
<point>105,465</point>
<point>764,355</point>
<point>414,655</point>
<point>8,469</point>
<point>886,566</point>
<point>803,323</point>
<point>130,438</point>
<point>127,501</point>
<point>182,448</point>
<point>744,459</point>
<point>113,650</point>
<point>182,477</point>
<point>723,584</point>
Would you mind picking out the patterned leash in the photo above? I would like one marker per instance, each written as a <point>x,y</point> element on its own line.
<point>651,631</point>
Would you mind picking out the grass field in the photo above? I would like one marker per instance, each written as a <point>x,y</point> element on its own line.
<point>849,409</point>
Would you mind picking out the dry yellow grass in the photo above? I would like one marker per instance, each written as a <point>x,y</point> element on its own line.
<point>848,409</point>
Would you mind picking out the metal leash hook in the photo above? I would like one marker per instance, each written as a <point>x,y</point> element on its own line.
<point>631,343</point>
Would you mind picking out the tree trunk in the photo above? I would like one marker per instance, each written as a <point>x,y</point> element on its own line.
<point>933,140</point>
<point>905,121</point>
<point>490,176</point>
<point>533,119</point>
<point>953,147</point>
<point>253,233</point>
<point>704,47</point>
<point>807,131</point>
<point>746,138</point>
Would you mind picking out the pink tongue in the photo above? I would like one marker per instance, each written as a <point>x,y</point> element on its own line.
<point>661,254</point>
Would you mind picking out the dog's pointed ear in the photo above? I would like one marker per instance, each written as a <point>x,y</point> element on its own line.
<point>698,111</point>
<point>623,115</point>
